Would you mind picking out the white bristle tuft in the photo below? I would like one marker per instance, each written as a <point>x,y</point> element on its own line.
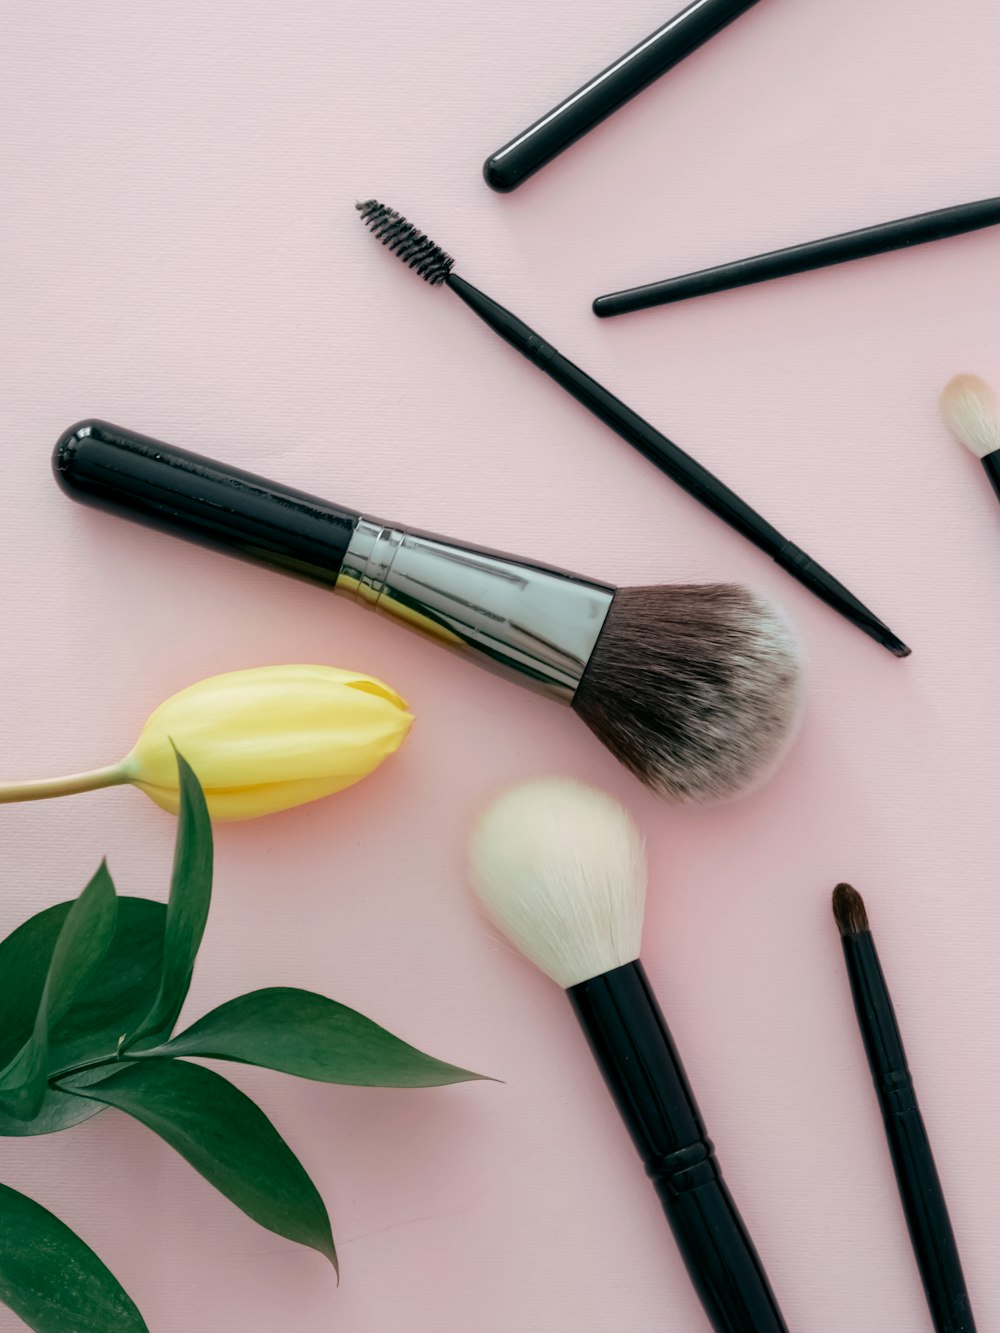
<point>972,412</point>
<point>560,870</point>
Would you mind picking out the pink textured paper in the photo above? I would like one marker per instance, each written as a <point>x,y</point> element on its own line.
<point>179,253</point>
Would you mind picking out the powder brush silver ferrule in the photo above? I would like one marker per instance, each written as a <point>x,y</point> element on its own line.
<point>527,621</point>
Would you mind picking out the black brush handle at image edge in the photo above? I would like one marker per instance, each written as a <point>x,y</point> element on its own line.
<point>706,488</point>
<point>633,1047</point>
<point>511,165</point>
<point>831,250</point>
<point>931,1232</point>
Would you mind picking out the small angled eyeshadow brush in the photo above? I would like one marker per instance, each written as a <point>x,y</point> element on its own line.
<point>560,870</point>
<point>432,264</point>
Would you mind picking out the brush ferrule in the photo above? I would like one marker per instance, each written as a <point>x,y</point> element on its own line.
<point>537,624</point>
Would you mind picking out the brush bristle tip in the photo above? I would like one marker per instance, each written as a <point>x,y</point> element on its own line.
<point>409,245</point>
<point>849,910</point>
<point>559,869</point>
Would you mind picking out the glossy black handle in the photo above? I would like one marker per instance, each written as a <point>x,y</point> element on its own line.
<point>207,502</point>
<point>670,458</point>
<point>927,1218</point>
<point>878,240</point>
<point>920,1189</point>
<point>509,166</point>
<point>637,1056</point>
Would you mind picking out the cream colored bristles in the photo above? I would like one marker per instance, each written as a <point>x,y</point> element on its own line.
<point>972,412</point>
<point>560,870</point>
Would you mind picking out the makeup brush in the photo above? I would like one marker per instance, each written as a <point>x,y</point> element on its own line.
<point>511,165</point>
<point>902,234</point>
<point>919,1184</point>
<point>432,264</point>
<point>972,412</point>
<point>560,870</point>
<point>694,688</point>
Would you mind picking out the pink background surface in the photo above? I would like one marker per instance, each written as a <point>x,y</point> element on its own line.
<point>180,254</point>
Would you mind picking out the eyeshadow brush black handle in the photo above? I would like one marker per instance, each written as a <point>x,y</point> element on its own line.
<point>509,166</point>
<point>842,249</point>
<point>920,1189</point>
<point>633,1047</point>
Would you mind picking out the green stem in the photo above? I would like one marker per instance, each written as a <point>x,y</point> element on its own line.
<point>55,1079</point>
<point>111,776</point>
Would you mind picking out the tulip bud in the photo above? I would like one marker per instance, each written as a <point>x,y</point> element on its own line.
<point>259,741</point>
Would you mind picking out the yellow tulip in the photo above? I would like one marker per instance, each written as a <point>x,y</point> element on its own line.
<point>259,741</point>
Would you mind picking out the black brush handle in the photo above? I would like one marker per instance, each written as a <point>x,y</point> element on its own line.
<point>509,166</point>
<point>636,1054</point>
<point>842,249</point>
<point>207,502</point>
<point>924,1205</point>
<point>679,466</point>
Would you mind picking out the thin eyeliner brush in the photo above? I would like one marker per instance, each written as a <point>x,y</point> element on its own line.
<point>420,253</point>
<point>842,249</point>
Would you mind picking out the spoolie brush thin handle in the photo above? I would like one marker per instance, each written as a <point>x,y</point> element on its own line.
<point>633,1047</point>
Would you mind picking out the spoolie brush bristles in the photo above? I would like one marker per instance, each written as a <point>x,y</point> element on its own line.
<point>415,249</point>
<point>849,910</point>
<point>560,871</point>
<point>696,689</point>
<point>972,413</point>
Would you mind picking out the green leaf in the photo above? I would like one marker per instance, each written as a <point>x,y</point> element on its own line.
<point>114,1000</point>
<point>298,1032</point>
<point>187,910</point>
<point>52,1280</point>
<point>82,943</point>
<point>226,1137</point>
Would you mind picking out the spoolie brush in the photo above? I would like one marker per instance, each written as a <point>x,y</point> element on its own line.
<point>972,413</point>
<point>560,870</point>
<point>695,689</point>
<point>920,1188</point>
<point>418,252</point>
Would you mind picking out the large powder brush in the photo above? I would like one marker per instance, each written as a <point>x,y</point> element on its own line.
<point>560,870</point>
<point>694,688</point>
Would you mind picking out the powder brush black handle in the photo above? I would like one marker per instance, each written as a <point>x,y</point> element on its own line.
<point>509,166</point>
<point>637,1056</point>
<point>831,250</point>
<point>208,502</point>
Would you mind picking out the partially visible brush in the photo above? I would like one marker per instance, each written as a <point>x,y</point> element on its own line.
<point>435,266</point>
<point>919,1184</point>
<point>972,412</point>
<point>509,166</point>
<point>560,870</point>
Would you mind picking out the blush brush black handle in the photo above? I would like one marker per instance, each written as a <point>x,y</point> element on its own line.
<point>842,249</point>
<point>637,1056</point>
<point>706,488</point>
<point>509,166</point>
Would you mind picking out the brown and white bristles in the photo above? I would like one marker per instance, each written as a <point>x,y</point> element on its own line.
<point>560,871</point>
